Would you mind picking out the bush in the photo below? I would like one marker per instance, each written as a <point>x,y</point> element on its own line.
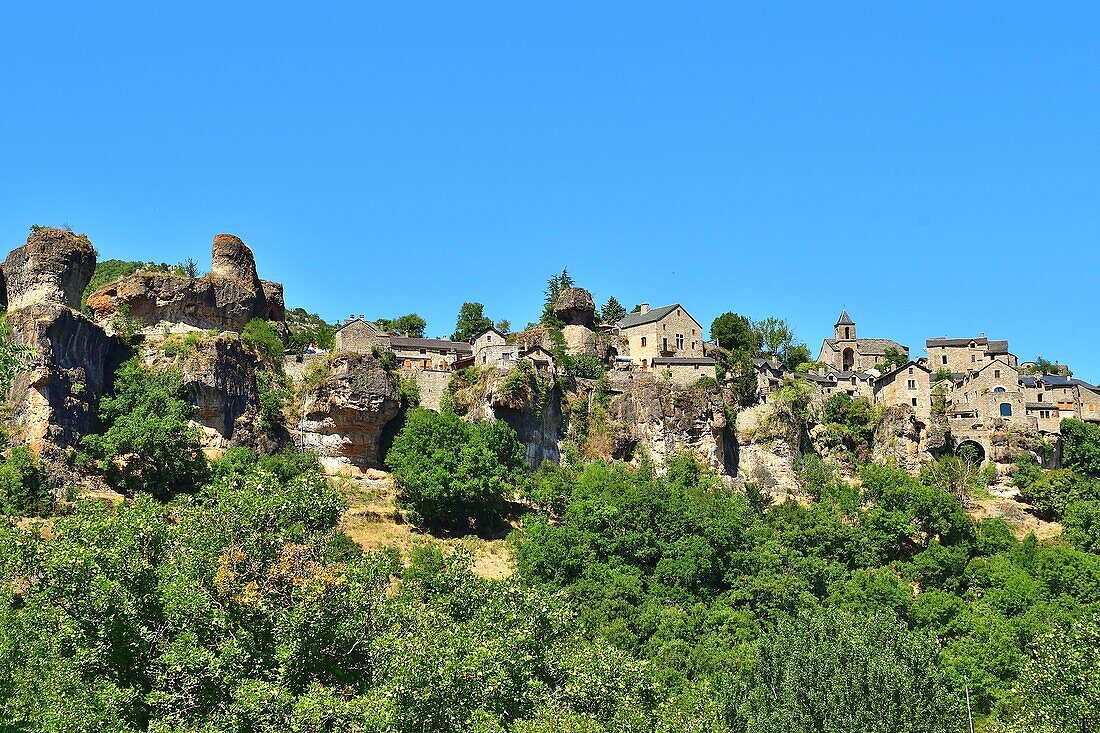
<point>148,445</point>
<point>582,366</point>
<point>23,489</point>
<point>409,391</point>
<point>261,336</point>
<point>449,471</point>
<point>1053,491</point>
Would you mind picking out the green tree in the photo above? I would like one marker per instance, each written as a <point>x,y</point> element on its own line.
<point>736,333</point>
<point>893,358</point>
<point>1081,447</point>
<point>833,672</point>
<point>612,311</point>
<point>410,325</point>
<point>23,488</point>
<point>471,321</point>
<point>261,336</point>
<point>14,357</point>
<point>554,287</point>
<point>1081,524</point>
<point>449,471</point>
<point>148,445</point>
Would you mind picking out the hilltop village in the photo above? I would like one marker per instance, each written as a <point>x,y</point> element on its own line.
<point>649,383</point>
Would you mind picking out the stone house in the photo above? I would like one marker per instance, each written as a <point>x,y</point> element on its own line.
<point>994,395</point>
<point>854,384</point>
<point>668,332</point>
<point>960,355</point>
<point>360,336</point>
<point>909,384</point>
<point>428,354</point>
<point>769,377</point>
<point>846,352</point>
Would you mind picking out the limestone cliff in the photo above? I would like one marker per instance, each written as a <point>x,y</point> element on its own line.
<point>349,407</point>
<point>71,360</point>
<point>224,300</point>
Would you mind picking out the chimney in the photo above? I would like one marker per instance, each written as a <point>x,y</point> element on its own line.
<point>362,317</point>
<point>643,308</point>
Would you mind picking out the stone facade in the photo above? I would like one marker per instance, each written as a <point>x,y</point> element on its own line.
<point>360,336</point>
<point>847,353</point>
<point>685,371</point>
<point>910,385</point>
<point>960,355</point>
<point>665,332</point>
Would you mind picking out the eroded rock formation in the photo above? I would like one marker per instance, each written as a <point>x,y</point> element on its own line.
<point>575,307</point>
<point>54,266</point>
<point>225,300</point>
<point>347,416</point>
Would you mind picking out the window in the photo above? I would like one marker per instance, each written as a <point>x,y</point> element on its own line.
<point>943,359</point>
<point>506,357</point>
<point>643,340</point>
<point>998,390</point>
<point>1006,409</point>
<point>910,370</point>
<point>408,363</point>
<point>679,341</point>
<point>693,346</point>
<point>1039,397</point>
<point>973,358</point>
<point>423,351</point>
<point>847,332</point>
<point>914,401</point>
<point>664,344</point>
<point>912,384</point>
<point>996,373</point>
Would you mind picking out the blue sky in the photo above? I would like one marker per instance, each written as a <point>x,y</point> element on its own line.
<point>932,167</point>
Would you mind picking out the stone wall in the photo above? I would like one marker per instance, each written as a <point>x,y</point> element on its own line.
<point>910,386</point>
<point>656,333</point>
<point>432,385</point>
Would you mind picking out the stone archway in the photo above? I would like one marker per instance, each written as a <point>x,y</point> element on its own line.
<point>971,449</point>
<point>848,360</point>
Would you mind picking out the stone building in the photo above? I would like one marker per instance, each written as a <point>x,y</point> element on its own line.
<point>910,384</point>
<point>685,370</point>
<point>360,336</point>
<point>668,333</point>
<point>960,355</point>
<point>846,352</point>
<point>854,384</point>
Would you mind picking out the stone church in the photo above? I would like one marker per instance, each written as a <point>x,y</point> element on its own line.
<point>846,352</point>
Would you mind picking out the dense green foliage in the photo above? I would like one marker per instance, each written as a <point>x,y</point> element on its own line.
<point>449,471</point>
<point>308,329</point>
<point>554,287</point>
<point>735,332</point>
<point>13,356</point>
<point>147,444</point>
<point>262,337</point>
<point>23,488</point>
<point>891,583</point>
<point>470,322</point>
<point>1081,447</point>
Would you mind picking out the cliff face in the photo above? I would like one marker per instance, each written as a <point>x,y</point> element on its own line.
<point>632,412</point>
<point>349,412</point>
<point>225,300</point>
<point>71,360</point>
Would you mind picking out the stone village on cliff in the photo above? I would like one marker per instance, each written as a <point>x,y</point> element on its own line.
<point>656,362</point>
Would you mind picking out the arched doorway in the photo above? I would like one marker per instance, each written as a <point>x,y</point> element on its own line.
<point>971,450</point>
<point>848,360</point>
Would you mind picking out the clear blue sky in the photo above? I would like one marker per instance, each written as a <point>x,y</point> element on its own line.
<point>932,167</point>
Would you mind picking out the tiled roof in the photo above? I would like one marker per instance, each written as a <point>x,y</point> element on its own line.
<point>683,360</point>
<point>401,342</point>
<point>981,340</point>
<point>845,319</point>
<point>653,314</point>
<point>872,347</point>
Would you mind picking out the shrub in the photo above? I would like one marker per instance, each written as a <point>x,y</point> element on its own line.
<point>449,470</point>
<point>23,489</point>
<point>409,391</point>
<point>1052,492</point>
<point>262,338</point>
<point>1081,447</point>
<point>582,366</point>
<point>148,444</point>
<point>274,394</point>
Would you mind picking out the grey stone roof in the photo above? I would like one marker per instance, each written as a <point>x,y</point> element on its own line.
<point>845,319</point>
<point>684,360</point>
<point>997,347</point>
<point>653,314</point>
<point>873,347</point>
<point>906,365</point>
<point>401,342</point>
<point>980,340</point>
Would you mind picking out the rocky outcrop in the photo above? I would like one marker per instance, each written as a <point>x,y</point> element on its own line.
<point>665,418</point>
<point>225,300</point>
<point>765,455</point>
<point>220,379</point>
<point>529,401</point>
<point>346,418</point>
<point>903,439</point>
<point>71,364</point>
<point>54,266</point>
<point>575,307</point>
